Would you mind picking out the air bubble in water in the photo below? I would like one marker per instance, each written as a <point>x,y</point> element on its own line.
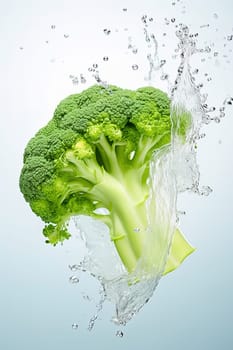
<point>173,20</point>
<point>95,65</point>
<point>229,37</point>
<point>53,26</point>
<point>135,67</point>
<point>21,47</point>
<point>75,326</point>
<point>119,334</point>
<point>66,36</point>
<point>105,58</point>
<point>136,229</point>
<point>73,267</point>
<point>144,18</point>
<point>151,19</point>
<point>107,31</point>
<point>73,280</point>
<point>82,79</point>
<point>162,63</point>
<point>124,9</point>
<point>205,191</point>
<point>215,15</point>
<point>135,50</point>
<point>164,77</point>
<point>75,81</point>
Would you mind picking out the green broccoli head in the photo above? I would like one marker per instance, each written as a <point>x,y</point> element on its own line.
<point>95,153</point>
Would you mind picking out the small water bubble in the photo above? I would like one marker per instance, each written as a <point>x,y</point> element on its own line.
<point>167,22</point>
<point>21,47</point>
<point>82,79</point>
<point>204,26</point>
<point>164,34</point>
<point>228,101</point>
<point>215,54</point>
<point>53,26</point>
<point>107,31</point>
<point>209,79</point>
<point>74,326</point>
<point>151,19</point>
<point>46,41</point>
<point>164,77</point>
<point>119,334</point>
<point>162,63</point>
<point>199,86</point>
<point>136,229</point>
<point>66,36</point>
<point>135,67</point>
<point>95,65</point>
<point>124,9</point>
<point>105,58</point>
<point>205,191</point>
<point>135,50</point>
<point>73,280</point>
<point>173,3</point>
<point>203,60</point>
<point>144,19</point>
<point>75,80</point>
<point>73,267</point>
<point>207,49</point>
<point>173,20</point>
<point>90,69</point>
<point>215,15</point>
<point>217,120</point>
<point>229,37</point>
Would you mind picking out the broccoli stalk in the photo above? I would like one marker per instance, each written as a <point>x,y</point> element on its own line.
<point>96,153</point>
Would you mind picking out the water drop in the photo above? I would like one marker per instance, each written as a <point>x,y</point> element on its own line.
<point>105,58</point>
<point>173,20</point>
<point>215,54</point>
<point>205,191</point>
<point>119,334</point>
<point>73,267</point>
<point>136,229</point>
<point>173,3</point>
<point>164,77</point>
<point>135,50</point>
<point>107,31</point>
<point>215,15</point>
<point>151,19</point>
<point>95,65</point>
<point>46,41</point>
<point>75,81</point>
<point>144,18</point>
<point>73,280</point>
<point>124,9</point>
<point>82,79</point>
<point>75,326</point>
<point>209,79</point>
<point>135,67</point>
<point>217,120</point>
<point>21,47</point>
<point>53,26</point>
<point>66,36</point>
<point>162,63</point>
<point>228,101</point>
<point>207,49</point>
<point>229,37</point>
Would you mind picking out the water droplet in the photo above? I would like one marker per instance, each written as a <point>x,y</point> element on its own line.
<point>73,280</point>
<point>229,37</point>
<point>215,15</point>
<point>207,49</point>
<point>107,31</point>
<point>135,67</point>
<point>217,120</point>
<point>75,326</point>
<point>205,191</point>
<point>66,36</point>
<point>204,26</point>
<point>73,267</point>
<point>173,20</point>
<point>105,58</point>
<point>151,19</point>
<point>209,79</point>
<point>164,34</point>
<point>124,9</point>
<point>21,47</point>
<point>53,26</point>
<point>228,101</point>
<point>95,65</point>
<point>90,69</point>
<point>144,18</point>
<point>215,54</point>
<point>135,50</point>
<point>119,334</point>
<point>164,77</point>
<point>82,79</point>
<point>136,229</point>
<point>75,81</point>
<point>173,3</point>
<point>46,41</point>
<point>162,63</point>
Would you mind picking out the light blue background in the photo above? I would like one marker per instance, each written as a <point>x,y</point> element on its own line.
<point>192,308</point>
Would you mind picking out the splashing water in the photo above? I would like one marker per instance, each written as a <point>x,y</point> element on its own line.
<point>171,172</point>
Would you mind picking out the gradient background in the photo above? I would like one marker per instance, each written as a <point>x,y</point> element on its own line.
<point>192,308</point>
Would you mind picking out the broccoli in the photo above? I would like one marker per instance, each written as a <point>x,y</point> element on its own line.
<point>95,154</point>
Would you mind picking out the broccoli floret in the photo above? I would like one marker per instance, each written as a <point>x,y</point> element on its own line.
<point>95,153</point>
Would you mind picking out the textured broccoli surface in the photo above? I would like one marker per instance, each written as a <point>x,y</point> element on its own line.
<point>95,153</point>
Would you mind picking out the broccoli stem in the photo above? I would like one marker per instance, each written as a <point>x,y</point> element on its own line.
<point>127,218</point>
